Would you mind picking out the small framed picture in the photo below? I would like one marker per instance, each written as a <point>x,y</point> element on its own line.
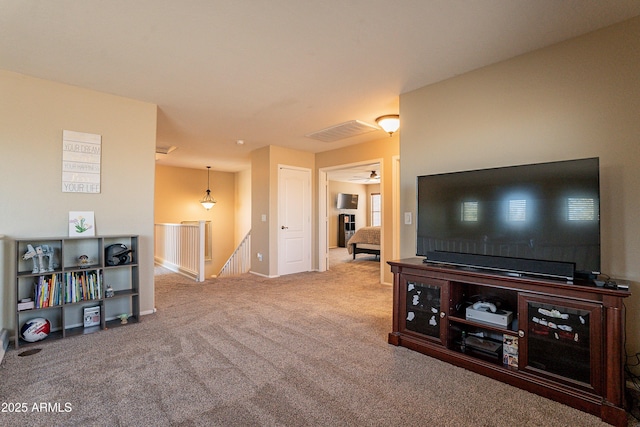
<point>81,224</point>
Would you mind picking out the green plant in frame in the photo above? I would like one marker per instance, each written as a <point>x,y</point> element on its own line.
<point>80,224</point>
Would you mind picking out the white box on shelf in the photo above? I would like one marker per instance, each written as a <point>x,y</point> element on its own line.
<point>91,316</point>
<point>500,317</point>
<point>26,305</point>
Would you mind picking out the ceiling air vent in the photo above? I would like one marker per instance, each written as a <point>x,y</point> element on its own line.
<point>162,152</point>
<point>343,130</point>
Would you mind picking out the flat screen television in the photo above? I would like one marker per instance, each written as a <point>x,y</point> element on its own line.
<point>347,201</point>
<point>540,219</point>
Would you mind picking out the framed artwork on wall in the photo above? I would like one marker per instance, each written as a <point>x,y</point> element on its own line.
<point>81,224</point>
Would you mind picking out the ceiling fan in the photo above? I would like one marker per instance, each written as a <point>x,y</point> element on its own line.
<point>373,178</point>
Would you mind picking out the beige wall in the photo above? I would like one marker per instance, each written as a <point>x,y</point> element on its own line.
<point>264,201</point>
<point>576,99</point>
<point>363,213</point>
<point>243,205</point>
<point>336,187</point>
<point>260,196</point>
<point>33,114</point>
<point>383,150</point>
<point>178,193</point>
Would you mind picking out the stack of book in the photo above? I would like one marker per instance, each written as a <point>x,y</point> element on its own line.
<point>47,291</point>
<point>82,286</point>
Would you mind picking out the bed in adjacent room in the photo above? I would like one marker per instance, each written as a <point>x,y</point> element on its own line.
<point>366,240</point>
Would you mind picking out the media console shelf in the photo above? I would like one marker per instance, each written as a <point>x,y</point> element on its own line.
<point>562,341</point>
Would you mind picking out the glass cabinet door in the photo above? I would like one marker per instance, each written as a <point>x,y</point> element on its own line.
<point>424,313</point>
<point>561,339</point>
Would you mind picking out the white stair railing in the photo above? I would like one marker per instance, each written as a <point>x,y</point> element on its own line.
<point>181,248</point>
<point>240,261</point>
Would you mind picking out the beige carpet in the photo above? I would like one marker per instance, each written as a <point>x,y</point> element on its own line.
<point>302,350</point>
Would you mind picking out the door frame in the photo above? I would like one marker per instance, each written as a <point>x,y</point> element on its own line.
<point>395,203</point>
<point>323,212</point>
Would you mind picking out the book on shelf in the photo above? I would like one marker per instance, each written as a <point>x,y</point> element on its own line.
<point>510,351</point>
<point>83,286</point>
<point>46,291</point>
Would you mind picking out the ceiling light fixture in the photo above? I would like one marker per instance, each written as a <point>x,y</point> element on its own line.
<point>390,123</point>
<point>208,202</point>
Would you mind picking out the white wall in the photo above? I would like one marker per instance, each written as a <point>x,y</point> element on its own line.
<point>577,99</point>
<point>33,114</point>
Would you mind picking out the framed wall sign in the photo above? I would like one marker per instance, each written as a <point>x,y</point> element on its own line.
<point>81,154</point>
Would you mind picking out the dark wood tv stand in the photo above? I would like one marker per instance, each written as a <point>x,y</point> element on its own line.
<point>565,341</point>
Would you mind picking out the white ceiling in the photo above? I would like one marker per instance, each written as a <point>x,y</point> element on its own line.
<point>270,72</point>
<point>359,174</point>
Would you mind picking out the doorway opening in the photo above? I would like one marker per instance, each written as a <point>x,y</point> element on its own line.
<point>337,223</point>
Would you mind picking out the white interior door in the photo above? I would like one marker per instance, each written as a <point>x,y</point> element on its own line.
<point>294,220</point>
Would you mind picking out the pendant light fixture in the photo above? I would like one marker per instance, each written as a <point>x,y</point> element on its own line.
<point>390,123</point>
<point>208,201</point>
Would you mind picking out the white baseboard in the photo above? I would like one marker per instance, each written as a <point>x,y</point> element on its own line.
<point>176,268</point>
<point>264,275</point>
